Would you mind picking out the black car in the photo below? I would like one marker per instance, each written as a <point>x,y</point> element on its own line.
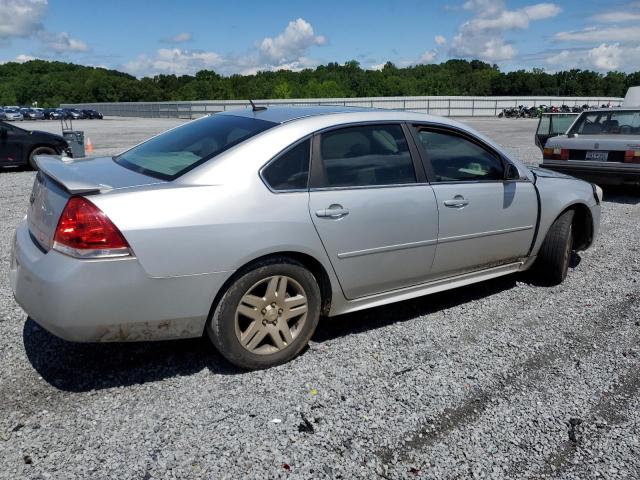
<point>72,113</point>
<point>91,114</point>
<point>32,114</point>
<point>53,113</point>
<point>19,146</point>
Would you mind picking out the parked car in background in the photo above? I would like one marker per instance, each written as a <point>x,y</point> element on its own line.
<point>251,224</point>
<point>72,113</point>
<point>13,114</point>
<point>53,114</point>
<point>2,115</point>
<point>91,114</point>
<point>552,125</point>
<point>32,114</point>
<point>602,146</point>
<point>18,147</point>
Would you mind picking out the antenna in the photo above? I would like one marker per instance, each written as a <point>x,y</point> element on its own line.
<point>255,108</point>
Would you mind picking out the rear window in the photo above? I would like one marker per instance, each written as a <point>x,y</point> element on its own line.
<point>621,122</point>
<point>177,151</point>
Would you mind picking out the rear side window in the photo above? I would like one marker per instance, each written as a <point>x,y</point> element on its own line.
<point>366,156</point>
<point>177,151</point>
<point>289,171</point>
<point>456,159</point>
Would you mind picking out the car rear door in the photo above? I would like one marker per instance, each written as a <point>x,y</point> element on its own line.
<point>372,207</point>
<point>484,220</point>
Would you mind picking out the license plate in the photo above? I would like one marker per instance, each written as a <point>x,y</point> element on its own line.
<point>597,156</point>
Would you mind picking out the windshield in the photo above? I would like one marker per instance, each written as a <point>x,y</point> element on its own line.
<point>623,122</point>
<point>177,151</point>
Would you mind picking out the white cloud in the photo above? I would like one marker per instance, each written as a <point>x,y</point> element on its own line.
<point>291,44</point>
<point>62,42</point>
<point>440,40</point>
<point>174,60</point>
<point>24,58</point>
<point>482,36</point>
<point>183,37</point>
<point>563,58</point>
<point>427,57</point>
<point>288,51</point>
<point>541,11</point>
<point>606,57</point>
<point>617,17</point>
<point>21,18</point>
<point>597,34</point>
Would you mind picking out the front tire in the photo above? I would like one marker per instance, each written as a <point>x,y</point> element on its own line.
<point>554,256</point>
<point>267,315</point>
<point>39,151</point>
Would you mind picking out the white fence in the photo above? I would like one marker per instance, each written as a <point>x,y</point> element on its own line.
<point>443,106</point>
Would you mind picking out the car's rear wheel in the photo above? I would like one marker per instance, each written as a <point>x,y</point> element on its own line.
<point>39,151</point>
<point>267,315</point>
<point>554,256</point>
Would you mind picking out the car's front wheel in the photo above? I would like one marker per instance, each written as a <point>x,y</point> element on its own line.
<point>39,151</point>
<point>267,315</point>
<point>554,256</point>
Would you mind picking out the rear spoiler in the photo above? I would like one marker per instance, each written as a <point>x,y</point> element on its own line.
<point>64,173</point>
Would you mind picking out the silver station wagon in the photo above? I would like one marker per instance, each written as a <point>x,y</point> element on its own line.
<point>251,224</point>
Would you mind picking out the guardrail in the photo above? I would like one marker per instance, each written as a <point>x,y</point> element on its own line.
<point>447,106</point>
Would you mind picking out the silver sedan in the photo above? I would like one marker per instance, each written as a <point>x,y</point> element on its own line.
<point>251,224</point>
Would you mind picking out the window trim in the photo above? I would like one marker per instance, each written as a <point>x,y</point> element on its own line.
<point>317,180</point>
<point>277,156</point>
<point>415,127</point>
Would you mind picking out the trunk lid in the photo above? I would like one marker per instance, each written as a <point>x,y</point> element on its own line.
<point>58,179</point>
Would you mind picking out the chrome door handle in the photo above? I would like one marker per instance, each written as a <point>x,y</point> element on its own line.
<point>334,211</point>
<point>456,202</point>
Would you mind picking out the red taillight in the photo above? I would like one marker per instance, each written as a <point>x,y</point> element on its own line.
<point>555,153</point>
<point>84,231</point>
<point>632,156</point>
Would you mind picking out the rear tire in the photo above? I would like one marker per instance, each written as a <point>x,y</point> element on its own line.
<point>267,315</point>
<point>554,256</point>
<point>39,151</point>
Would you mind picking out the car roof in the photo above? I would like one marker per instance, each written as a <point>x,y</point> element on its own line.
<point>288,113</point>
<point>344,114</point>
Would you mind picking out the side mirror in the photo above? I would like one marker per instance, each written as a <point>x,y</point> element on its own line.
<point>511,172</point>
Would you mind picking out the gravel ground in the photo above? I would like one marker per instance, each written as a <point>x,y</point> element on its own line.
<point>503,379</point>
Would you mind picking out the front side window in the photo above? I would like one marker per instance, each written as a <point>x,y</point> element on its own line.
<point>624,122</point>
<point>177,151</point>
<point>456,159</point>
<point>289,171</point>
<point>366,155</point>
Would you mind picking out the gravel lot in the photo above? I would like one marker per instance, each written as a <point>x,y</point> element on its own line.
<point>504,379</point>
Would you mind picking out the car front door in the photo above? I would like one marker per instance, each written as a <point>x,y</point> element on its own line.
<point>10,145</point>
<point>372,208</point>
<point>485,220</point>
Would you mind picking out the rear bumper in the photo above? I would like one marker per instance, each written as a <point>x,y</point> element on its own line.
<point>605,173</point>
<point>107,300</point>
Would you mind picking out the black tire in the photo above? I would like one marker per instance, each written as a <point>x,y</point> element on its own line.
<point>554,256</point>
<point>221,326</point>
<point>42,150</point>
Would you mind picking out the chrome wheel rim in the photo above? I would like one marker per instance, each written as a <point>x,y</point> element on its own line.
<point>271,314</point>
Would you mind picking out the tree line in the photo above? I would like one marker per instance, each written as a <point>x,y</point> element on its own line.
<point>53,83</point>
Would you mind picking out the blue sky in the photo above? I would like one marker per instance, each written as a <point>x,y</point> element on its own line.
<point>146,38</point>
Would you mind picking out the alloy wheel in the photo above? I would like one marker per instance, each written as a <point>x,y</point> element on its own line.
<point>271,314</point>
